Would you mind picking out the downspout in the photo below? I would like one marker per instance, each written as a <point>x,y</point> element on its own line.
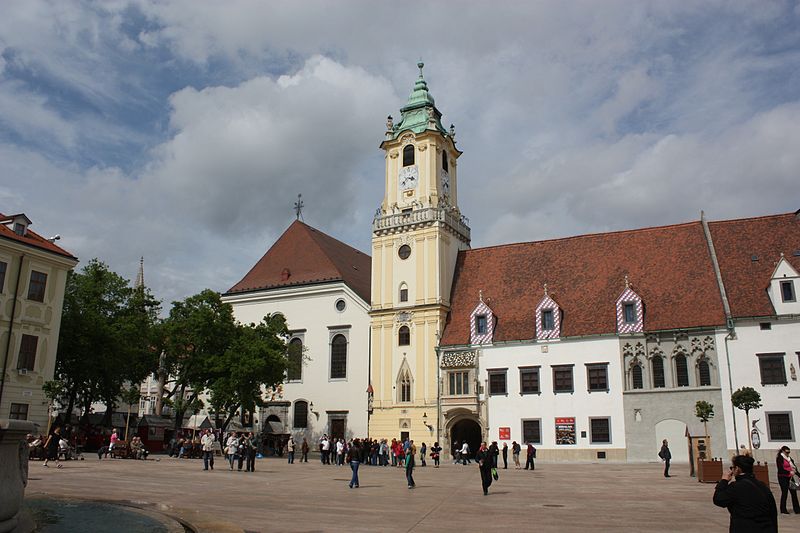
<point>729,323</point>
<point>369,376</point>
<point>438,393</point>
<point>11,327</point>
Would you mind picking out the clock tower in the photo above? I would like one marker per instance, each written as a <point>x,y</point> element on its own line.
<point>416,236</point>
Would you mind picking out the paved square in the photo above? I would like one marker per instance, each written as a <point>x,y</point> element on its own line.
<point>313,497</point>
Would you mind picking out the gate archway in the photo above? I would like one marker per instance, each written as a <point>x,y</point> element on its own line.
<point>468,430</point>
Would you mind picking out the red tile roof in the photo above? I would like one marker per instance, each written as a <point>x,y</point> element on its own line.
<point>31,238</point>
<point>669,267</point>
<point>308,256</point>
<point>737,242</point>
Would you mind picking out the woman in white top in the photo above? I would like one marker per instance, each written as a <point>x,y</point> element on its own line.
<point>231,447</point>
<point>465,453</point>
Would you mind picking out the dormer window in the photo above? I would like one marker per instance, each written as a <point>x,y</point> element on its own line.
<point>19,229</point>
<point>408,155</point>
<point>629,312</point>
<point>787,291</point>
<point>547,320</point>
<point>480,324</point>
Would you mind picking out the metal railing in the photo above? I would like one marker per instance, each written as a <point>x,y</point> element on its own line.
<point>460,223</point>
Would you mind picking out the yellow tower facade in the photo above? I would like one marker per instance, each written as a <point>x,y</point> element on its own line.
<point>416,236</point>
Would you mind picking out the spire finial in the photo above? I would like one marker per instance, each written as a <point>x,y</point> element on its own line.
<point>545,289</point>
<point>139,284</point>
<point>298,207</point>
<point>627,282</point>
<point>420,64</point>
<point>480,294</point>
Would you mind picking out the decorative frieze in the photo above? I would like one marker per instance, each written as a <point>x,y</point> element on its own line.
<point>465,359</point>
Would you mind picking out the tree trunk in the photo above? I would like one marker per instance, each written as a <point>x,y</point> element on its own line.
<point>73,393</point>
<point>228,419</point>
<point>749,439</point>
<point>162,382</point>
<point>705,427</point>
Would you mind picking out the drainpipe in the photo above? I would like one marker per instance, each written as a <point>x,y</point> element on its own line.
<point>730,336</point>
<point>11,327</point>
<point>438,394</point>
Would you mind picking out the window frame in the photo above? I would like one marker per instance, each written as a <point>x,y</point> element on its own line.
<point>703,361</point>
<point>596,366</point>
<point>557,368</point>
<point>294,414</point>
<point>3,270</point>
<point>404,336</point>
<point>14,414</point>
<point>26,357</point>
<point>481,324</point>
<point>548,320</point>
<point>409,150</point>
<point>37,288</point>
<point>497,372</point>
<point>403,295</point>
<point>626,305</point>
<point>790,285</point>
<point>637,366</point>
<point>763,357</point>
<point>538,421</point>
<point>663,373</point>
<point>681,371</point>
<point>334,336</point>
<point>788,414</point>
<point>404,387</point>
<point>530,370</point>
<point>289,355</point>
<point>592,439</point>
<point>453,382</point>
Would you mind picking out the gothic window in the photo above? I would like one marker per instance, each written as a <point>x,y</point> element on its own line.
<point>408,155</point>
<point>404,386</point>
<point>294,371</point>
<point>636,377</point>
<point>444,161</point>
<point>658,372</point>
<point>339,357</point>
<point>681,370</point>
<point>403,336</point>
<point>704,373</point>
<point>300,418</point>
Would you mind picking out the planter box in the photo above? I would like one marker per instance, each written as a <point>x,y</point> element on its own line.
<point>761,473</point>
<point>709,471</point>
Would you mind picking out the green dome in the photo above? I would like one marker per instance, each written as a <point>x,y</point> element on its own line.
<point>419,113</point>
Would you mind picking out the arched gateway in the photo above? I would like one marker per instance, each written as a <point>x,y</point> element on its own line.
<point>466,429</point>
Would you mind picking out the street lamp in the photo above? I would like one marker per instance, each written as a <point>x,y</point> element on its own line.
<point>425,421</point>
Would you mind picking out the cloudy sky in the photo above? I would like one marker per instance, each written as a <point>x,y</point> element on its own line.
<point>183,131</point>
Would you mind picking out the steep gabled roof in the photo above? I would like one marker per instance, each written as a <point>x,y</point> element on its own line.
<point>748,250</point>
<point>31,238</point>
<point>304,256</point>
<point>669,267</point>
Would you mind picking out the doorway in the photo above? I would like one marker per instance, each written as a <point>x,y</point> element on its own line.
<point>466,430</point>
<point>338,427</point>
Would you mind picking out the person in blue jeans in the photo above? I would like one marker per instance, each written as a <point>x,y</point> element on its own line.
<point>353,454</point>
<point>412,451</point>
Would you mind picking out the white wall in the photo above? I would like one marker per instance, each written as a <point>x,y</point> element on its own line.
<point>511,409</point>
<point>311,315</point>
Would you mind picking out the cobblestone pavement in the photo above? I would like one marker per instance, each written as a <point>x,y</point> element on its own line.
<point>314,497</point>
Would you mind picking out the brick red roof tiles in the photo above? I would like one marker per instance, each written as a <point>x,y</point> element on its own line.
<point>669,267</point>
<point>308,256</point>
<point>746,280</point>
<point>31,238</point>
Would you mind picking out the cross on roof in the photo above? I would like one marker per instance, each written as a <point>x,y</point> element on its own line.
<point>298,207</point>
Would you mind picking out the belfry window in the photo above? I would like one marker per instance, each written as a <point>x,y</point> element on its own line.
<point>444,161</point>
<point>408,155</point>
<point>404,336</point>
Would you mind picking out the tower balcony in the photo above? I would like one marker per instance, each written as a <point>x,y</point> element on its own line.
<point>410,219</point>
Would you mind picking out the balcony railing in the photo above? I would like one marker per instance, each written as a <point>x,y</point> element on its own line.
<point>424,216</point>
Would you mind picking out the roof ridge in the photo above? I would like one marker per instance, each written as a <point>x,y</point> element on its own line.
<point>759,217</point>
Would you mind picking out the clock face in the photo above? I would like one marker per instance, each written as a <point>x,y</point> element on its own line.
<point>445,183</point>
<point>408,177</point>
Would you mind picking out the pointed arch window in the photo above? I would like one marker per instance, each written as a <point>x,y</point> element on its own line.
<point>300,416</point>
<point>681,370</point>
<point>294,372</point>
<point>704,373</point>
<point>403,336</point>
<point>444,161</point>
<point>636,377</point>
<point>404,386</point>
<point>408,155</point>
<point>658,372</point>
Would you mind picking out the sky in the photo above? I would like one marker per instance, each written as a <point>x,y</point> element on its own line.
<point>182,131</point>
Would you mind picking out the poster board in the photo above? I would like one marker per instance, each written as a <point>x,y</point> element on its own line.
<point>565,431</point>
<point>505,434</point>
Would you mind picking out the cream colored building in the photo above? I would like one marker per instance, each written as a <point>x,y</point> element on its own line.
<point>416,237</point>
<point>33,275</point>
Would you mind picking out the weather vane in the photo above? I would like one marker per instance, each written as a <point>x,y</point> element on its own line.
<point>298,207</point>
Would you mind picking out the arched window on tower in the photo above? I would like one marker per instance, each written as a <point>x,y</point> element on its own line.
<point>444,161</point>
<point>404,386</point>
<point>658,372</point>
<point>300,417</point>
<point>403,292</point>
<point>403,336</point>
<point>294,372</point>
<point>681,370</point>
<point>704,373</point>
<point>636,377</point>
<point>408,155</point>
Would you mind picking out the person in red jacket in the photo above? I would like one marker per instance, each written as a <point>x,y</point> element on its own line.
<point>786,469</point>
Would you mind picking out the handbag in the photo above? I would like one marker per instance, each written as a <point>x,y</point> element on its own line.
<point>494,474</point>
<point>794,482</point>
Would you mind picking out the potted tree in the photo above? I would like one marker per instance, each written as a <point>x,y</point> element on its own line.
<point>746,399</point>
<point>708,470</point>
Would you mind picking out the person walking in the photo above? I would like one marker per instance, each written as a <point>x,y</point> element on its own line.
<point>410,453</point>
<point>113,441</point>
<point>787,469</point>
<point>436,451</point>
<point>242,451</point>
<point>251,449</point>
<point>290,449</point>
<point>665,455</point>
<point>530,456</point>
<point>304,451</point>
<point>484,459</point>
<point>465,453</point>
<point>422,451</point>
<point>494,449</point>
<point>749,502</point>
<point>515,451</point>
<point>505,455</point>
<point>207,440</point>
<point>51,447</point>
<point>231,448</point>
<point>353,459</point>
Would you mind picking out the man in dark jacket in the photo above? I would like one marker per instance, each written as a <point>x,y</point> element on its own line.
<point>485,459</point>
<point>665,455</point>
<point>750,502</point>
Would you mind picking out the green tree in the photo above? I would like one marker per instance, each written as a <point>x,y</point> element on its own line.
<point>746,399</point>
<point>705,412</point>
<point>256,359</point>
<point>196,335</point>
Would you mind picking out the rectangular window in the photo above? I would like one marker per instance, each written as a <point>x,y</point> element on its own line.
<point>787,291</point>
<point>562,379</point>
<point>459,383</point>
<point>27,352</point>
<point>480,324</point>
<point>548,324</point>
<point>532,431</point>
<point>779,426</point>
<point>403,295</point>
<point>3,268</point>
<point>529,380</point>
<point>597,377</point>
<point>601,430</point>
<point>772,369</point>
<point>19,411</point>
<point>629,312</point>
<point>497,382</point>
<point>37,286</point>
